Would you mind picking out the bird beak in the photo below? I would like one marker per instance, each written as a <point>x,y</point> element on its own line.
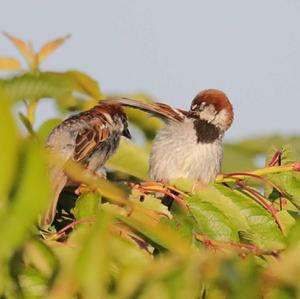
<point>126,133</point>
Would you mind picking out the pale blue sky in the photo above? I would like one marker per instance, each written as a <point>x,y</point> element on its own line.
<point>172,49</point>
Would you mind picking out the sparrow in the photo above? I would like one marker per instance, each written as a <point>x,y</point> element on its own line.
<point>88,138</point>
<point>190,143</point>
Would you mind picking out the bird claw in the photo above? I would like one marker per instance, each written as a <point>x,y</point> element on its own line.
<point>84,189</point>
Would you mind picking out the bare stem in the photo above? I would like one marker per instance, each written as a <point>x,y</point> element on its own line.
<point>73,224</point>
<point>216,244</point>
<point>276,159</point>
<point>259,172</point>
<point>264,202</point>
<point>236,175</point>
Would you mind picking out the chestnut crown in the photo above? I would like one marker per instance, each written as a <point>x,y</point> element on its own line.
<point>213,106</point>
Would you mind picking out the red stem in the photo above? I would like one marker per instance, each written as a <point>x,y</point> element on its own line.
<point>276,158</point>
<point>166,192</point>
<point>164,186</point>
<point>73,224</point>
<point>269,207</point>
<point>217,244</point>
<point>263,179</point>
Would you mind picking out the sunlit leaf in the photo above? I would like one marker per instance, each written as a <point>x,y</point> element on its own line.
<point>151,203</point>
<point>23,48</point>
<point>26,122</point>
<point>45,128</point>
<point>28,201</point>
<point>35,86</point>
<point>84,84</point>
<point>50,47</point>
<point>288,182</point>
<point>130,159</point>
<point>263,228</point>
<point>9,63</point>
<point>211,221</point>
<point>87,205</point>
<point>9,144</point>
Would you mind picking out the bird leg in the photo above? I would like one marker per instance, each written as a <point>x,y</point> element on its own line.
<point>83,188</point>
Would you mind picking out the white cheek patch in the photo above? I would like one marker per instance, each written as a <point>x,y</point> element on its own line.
<point>221,119</point>
<point>208,113</point>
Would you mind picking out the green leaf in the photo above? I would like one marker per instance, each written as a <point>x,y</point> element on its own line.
<point>130,159</point>
<point>225,204</point>
<point>286,220</point>
<point>9,144</point>
<point>184,225</point>
<point>288,182</point>
<point>35,86</point>
<point>29,199</point>
<point>87,205</point>
<point>211,220</point>
<point>90,269</point>
<point>45,129</point>
<point>26,122</point>
<point>84,84</point>
<point>264,231</point>
<point>150,202</point>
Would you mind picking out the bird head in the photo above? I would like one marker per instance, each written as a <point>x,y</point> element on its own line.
<point>213,106</point>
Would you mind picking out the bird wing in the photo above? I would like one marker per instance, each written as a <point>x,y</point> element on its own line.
<point>90,138</point>
<point>157,109</point>
<point>77,138</point>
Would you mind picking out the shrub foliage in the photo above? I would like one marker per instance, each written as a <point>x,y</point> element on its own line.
<point>236,238</point>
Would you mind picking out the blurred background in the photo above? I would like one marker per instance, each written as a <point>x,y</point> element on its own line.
<point>170,50</point>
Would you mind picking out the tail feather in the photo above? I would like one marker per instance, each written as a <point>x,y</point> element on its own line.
<point>59,180</point>
<point>157,109</point>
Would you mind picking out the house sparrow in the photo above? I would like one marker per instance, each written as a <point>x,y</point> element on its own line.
<point>190,143</point>
<point>88,138</point>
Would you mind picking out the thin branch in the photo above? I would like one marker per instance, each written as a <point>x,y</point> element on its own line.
<point>264,202</point>
<point>276,159</point>
<point>236,175</point>
<point>72,225</point>
<point>216,244</point>
<point>164,191</point>
<point>261,172</point>
<point>165,186</point>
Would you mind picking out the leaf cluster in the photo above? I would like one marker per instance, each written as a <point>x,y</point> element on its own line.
<point>236,238</point>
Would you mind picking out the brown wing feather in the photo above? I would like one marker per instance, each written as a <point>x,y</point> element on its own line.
<point>161,110</point>
<point>90,140</point>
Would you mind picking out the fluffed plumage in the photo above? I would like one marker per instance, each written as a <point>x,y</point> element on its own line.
<point>190,143</point>
<point>88,138</point>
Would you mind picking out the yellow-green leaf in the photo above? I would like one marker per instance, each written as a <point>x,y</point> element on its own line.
<point>23,48</point>
<point>130,159</point>
<point>29,198</point>
<point>9,64</point>
<point>50,47</point>
<point>9,143</point>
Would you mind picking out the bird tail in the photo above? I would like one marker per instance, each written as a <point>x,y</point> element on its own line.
<point>58,181</point>
<point>157,109</point>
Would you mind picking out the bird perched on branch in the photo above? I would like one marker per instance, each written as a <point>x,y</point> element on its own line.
<point>190,143</point>
<point>88,138</point>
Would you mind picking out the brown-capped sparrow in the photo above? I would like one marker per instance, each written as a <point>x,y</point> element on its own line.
<point>88,138</point>
<point>190,143</point>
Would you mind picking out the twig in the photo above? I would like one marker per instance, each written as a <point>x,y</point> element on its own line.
<point>260,172</point>
<point>253,175</point>
<point>163,185</point>
<point>276,159</point>
<point>73,224</point>
<point>269,207</point>
<point>252,248</point>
